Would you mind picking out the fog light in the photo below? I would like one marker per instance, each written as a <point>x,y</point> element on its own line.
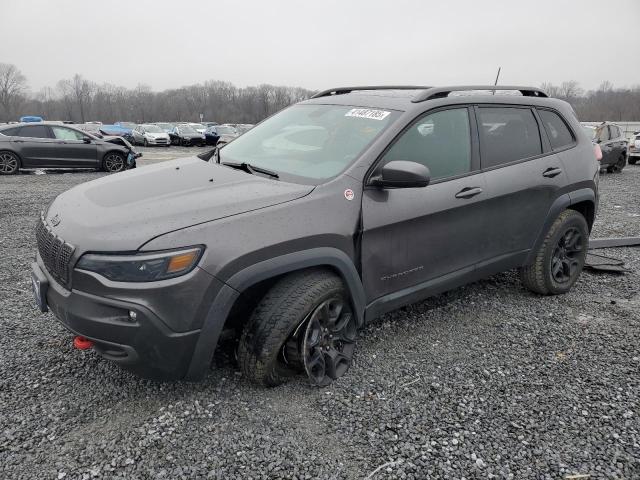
<point>132,315</point>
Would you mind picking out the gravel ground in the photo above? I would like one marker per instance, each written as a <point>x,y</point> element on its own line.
<point>486,381</point>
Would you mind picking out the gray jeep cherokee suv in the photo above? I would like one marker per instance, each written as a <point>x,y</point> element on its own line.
<point>326,215</point>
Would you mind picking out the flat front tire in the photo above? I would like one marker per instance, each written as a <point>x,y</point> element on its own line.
<point>303,323</point>
<point>560,258</point>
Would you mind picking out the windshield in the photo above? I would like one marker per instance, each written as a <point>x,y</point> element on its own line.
<point>152,129</point>
<point>186,129</point>
<point>225,130</point>
<point>127,125</point>
<point>314,142</point>
<point>197,126</point>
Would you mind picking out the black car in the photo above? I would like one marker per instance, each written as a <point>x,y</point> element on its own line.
<point>31,145</point>
<point>185,135</point>
<point>613,144</point>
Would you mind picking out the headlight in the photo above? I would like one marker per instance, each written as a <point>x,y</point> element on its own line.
<point>144,267</point>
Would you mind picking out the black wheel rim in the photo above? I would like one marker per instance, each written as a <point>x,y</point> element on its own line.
<point>8,163</point>
<point>329,341</point>
<point>113,163</point>
<point>565,262</point>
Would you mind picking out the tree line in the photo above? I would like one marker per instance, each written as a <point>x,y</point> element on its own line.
<point>81,100</point>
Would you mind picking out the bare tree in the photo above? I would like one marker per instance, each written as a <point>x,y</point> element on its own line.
<point>13,85</point>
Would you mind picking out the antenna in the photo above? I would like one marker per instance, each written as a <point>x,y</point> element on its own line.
<point>497,77</point>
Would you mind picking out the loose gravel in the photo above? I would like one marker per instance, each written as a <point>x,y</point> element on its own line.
<point>486,381</point>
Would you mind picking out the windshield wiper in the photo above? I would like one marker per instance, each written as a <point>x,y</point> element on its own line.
<point>247,167</point>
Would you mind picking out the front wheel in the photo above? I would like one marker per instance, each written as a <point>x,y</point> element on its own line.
<point>145,143</point>
<point>632,160</point>
<point>303,324</point>
<point>560,258</point>
<point>113,162</point>
<point>9,163</point>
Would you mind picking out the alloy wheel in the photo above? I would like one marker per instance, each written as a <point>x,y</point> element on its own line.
<point>113,163</point>
<point>8,163</point>
<point>565,261</point>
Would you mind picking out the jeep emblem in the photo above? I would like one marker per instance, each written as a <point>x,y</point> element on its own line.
<point>55,220</point>
<point>348,194</point>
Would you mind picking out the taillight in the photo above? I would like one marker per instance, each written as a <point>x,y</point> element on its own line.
<point>598,151</point>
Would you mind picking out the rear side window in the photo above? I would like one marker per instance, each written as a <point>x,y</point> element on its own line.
<point>507,135</point>
<point>10,132</point>
<point>602,133</point>
<point>615,131</point>
<point>440,140</point>
<point>35,131</point>
<point>559,134</point>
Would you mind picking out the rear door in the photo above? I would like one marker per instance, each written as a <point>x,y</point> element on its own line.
<point>603,137</point>
<point>524,177</point>
<point>36,146</point>
<point>73,150</point>
<point>414,235</point>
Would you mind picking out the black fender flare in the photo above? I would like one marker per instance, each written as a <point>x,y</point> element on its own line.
<point>559,205</point>
<point>245,278</point>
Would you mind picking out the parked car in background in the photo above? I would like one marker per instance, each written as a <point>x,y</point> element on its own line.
<point>198,127</point>
<point>129,125</point>
<point>209,124</point>
<point>42,145</point>
<point>152,135</point>
<point>92,128</point>
<point>31,119</point>
<point>118,131</point>
<point>166,126</point>
<point>634,149</point>
<point>613,144</point>
<point>211,135</point>
<point>243,127</point>
<point>226,134</point>
<point>185,136</point>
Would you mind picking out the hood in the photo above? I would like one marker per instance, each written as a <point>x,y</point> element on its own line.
<point>157,134</point>
<point>121,212</point>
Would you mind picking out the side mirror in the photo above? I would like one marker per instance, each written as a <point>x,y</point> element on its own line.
<point>86,139</point>
<point>402,174</point>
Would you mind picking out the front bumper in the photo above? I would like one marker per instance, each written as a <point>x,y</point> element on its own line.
<point>158,141</point>
<point>146,344</point>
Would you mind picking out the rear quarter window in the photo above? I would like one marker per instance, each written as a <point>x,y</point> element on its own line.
<point>557,130</point>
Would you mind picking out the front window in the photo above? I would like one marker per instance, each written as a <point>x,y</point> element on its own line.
<point>309,142</point>
<point>186,129</point>
<point>62,133</point>
<point>152,129</point>
<point>225,130</point>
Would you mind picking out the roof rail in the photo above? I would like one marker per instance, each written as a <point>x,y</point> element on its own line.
<point>441,92</point>
<point>343,90</point>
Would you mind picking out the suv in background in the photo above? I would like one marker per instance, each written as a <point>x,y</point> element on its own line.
<point>613,144</point>
<point>290,243</point>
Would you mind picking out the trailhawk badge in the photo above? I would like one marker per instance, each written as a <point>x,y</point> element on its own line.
<point>348,194</point>
<point>55,220</point>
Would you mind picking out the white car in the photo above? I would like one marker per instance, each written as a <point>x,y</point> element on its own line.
<point>153,135</point>
<point>634,149</point>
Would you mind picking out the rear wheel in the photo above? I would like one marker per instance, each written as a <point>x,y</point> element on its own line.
<point>632,160</point>
<point>113,162</point>
<point>303,323</point>
<point>561,256</point>
<point>145,143</point>
<point>9,163</point>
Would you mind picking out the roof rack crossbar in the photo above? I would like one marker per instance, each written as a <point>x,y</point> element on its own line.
<point>441,92</point>
<point>343,90</point>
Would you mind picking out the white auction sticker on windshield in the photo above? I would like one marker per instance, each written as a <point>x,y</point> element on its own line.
<point>367,113</point>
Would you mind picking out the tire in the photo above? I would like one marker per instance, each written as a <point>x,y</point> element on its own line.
<point>278,318</point>
<point>543,276</point>
<point>9,163</point>
<point>621,163</point>
<point>114,162</point>
<point>145,143</point>
<point>632,160</point>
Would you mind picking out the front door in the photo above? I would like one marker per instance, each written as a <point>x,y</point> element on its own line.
<point>74,151</point>
<point>414,235</point>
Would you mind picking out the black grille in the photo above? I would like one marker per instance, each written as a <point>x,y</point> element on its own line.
<point>55,252</point>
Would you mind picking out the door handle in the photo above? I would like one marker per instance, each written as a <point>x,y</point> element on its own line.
<point>552,172</point>
<point>468,192</point>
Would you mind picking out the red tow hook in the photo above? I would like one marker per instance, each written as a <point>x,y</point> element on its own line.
<point>82,343</point>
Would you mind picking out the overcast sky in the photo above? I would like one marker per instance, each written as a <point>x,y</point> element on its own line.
<point>318,44</point>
